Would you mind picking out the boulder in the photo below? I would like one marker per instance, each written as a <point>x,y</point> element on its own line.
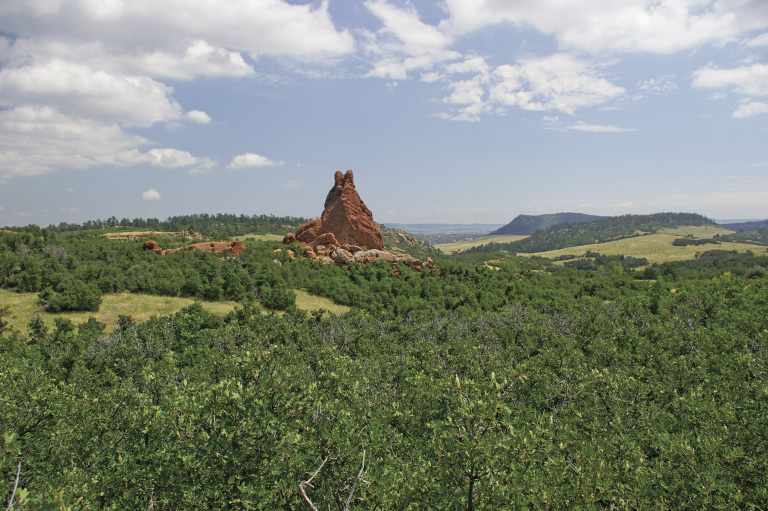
<point>341,256</point>
<point>307,232</point>
<point>289,238</point>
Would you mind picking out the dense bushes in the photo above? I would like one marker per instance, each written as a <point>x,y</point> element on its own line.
<point>653,400</point>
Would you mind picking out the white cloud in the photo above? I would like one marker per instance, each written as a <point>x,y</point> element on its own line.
<point>151,194</point>
<point>750,109</point>
<point>93,68</point>
<point>404,43</point>
<point>170,158</point>
<point>36,140</point>
<point>259,27</point>
<point>761,40</point>
<point>747,80</point>
<point>198,116</point>
<point>660,85</point>
<point>559,82</point>
<point>610,26</point>
<point>80,90</point>
<point>554,123</point>
<point>252,160</point>
<point>597,128</point>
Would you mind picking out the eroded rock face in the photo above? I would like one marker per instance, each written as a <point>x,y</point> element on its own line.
<point>345,216</point>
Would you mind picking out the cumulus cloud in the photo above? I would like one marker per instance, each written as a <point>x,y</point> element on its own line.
<point>36,140</point>
<point>170,158</point>
<point>559,82</point>
<point>750,81</point>
<point>252,160</point>
<point>259,27</point>
<point>151,194</point>
<point>198,116</point>
<point>78,89</point>
<point>607,26</point>
<point>751,108</point>
<point>404,43</point>
<point>95,70</point>
<point>747,80</point>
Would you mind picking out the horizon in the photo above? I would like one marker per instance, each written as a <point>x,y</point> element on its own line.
<point>451,111</point>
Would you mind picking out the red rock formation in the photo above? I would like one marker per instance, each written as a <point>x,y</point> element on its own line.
<point>345,216</point>
<point>151,245</point>
<point>289,238</point>
<point>309,231</point>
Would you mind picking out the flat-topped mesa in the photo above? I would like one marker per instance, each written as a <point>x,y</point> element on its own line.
<point>345,216</point>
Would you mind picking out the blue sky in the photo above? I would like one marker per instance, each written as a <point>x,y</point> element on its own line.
<point>455,111</point>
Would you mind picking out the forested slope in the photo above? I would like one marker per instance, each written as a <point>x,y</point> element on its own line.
<point>528,224</point>
<point>597,231</point>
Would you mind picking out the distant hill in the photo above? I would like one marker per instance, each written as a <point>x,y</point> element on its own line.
<point>524,225</point>
<point>751,225</point>
<point>597,231</point>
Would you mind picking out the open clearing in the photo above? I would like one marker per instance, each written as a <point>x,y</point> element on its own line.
<point>657,248</point>
<point>260,237</point>
<point>24,306</point>
<point>449,248</point>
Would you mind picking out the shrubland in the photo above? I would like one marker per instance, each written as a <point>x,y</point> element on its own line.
<point>489,383</point>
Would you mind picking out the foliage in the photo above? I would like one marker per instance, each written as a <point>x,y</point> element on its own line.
<point>517,384</point>
<point>756,237</point>
<point>657,399</point>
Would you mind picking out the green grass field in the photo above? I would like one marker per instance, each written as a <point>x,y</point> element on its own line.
<point>24,306</point>
<point>449,248</point>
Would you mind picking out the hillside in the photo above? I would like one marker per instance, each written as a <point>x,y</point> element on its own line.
<point>753,225</point>
<point>524,225</point>
<point>399,240</point>
<point>597,231</point>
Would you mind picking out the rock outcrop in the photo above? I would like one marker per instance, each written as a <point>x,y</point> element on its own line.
<point>345,215</point>
<point>346,234</point>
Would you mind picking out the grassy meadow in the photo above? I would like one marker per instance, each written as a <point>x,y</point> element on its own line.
<point>657,248</point>
<point>449,248</point>
<point>22,307</point>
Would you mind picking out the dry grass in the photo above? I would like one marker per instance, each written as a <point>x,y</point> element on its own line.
<point>309,302</point>
<point>24,306</point>
<point>657,248</point>
<point>260,237</point>
<point>449,248</point>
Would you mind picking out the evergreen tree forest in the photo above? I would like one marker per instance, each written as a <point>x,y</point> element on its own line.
<point>488,382</point>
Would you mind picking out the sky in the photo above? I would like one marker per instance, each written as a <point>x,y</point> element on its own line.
<point>451,111</point>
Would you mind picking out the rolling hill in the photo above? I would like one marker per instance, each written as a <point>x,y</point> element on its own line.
<point>524,225</point>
